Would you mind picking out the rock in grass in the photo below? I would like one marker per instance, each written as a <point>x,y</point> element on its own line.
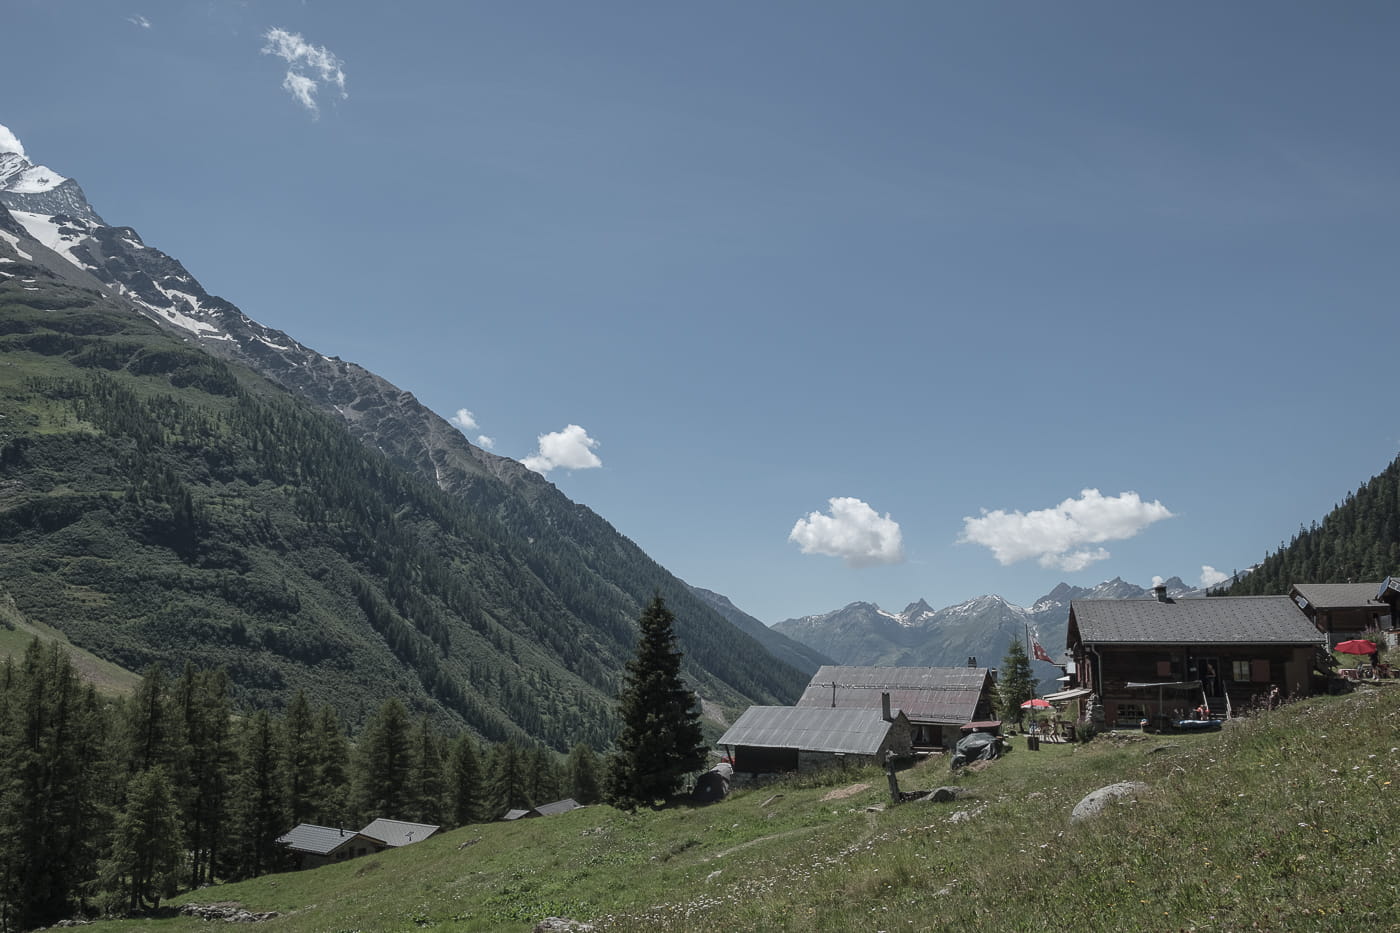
<point>562,925</point>
<point>1094,803</point>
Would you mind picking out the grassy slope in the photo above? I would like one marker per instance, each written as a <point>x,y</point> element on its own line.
<point>1287,821</point>
<point>17,631</point>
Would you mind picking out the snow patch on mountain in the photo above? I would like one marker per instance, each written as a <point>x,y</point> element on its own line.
<point>13,240</point>
<point>19,175</point>
<point>61,236</point>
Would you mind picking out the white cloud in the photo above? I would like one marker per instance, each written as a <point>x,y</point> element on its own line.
<point>464,419</point>
<point>569,449</point>
<point>1212,577</point>
<point>309,66</point>
<point>853,531</point>
<point>9,142</point>
<point>1158,579</point>
<point>139,20</point>
<point>485,442</point>
<point>1057,536</point>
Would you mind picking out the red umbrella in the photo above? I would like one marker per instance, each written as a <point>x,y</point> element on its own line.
<point>1355,646</point>
<point>1038,703</point>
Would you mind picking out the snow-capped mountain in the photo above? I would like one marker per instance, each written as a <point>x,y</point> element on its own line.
<point>982,628</point>
<point>53,211</point>
<point>40,190</point>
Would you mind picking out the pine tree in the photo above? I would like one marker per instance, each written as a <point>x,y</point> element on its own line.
<point>661,741</point>
<point>146,843</point>
<point>384,765</point>
<point>203,782</point>
<point>1015,684</point>
<point>331,764</point>
<point>260,810</point>
<point>508,785</point>
<point>52,767</point>
<point>583,774</point>
<point>543,776</point>
<point>429,780</point>
<point>299,759</point>
<point>464,780</point>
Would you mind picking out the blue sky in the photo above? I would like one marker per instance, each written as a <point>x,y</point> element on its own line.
<point>816,302</point>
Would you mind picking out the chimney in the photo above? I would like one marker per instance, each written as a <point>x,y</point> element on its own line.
<point>972,661</point>
<point>885,707</point>
<point>1160,591</point>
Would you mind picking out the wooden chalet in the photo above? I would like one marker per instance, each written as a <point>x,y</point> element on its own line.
<point>396,833</point>
<point>936,700</point>
<point>779,739</point>
<point>1342,611</point>
<point>1232,648</point>
<point>312,846</point>
<point>1389,594</point>
<point>544,809</point>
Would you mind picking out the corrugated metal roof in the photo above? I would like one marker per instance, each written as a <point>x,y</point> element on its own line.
<point>397,832</point>
<point>321,840</point>
<point>1216,620</point>
<point>845,731</point>
<point>925,694</point>
<point>1342,595</point>
<point>1073,693</point>
<point>558,806</point>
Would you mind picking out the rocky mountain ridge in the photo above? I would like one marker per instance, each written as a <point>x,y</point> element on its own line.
<point>862,633</point>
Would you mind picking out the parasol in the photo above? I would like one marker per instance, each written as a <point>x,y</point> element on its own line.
<point>1036,703</point>
<point>1356,646</point>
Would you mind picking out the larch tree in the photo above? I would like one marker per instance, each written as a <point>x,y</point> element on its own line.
<point>384,765</point>
<point>582,770</point>
<point>661,741</point>
<point>466,800</point>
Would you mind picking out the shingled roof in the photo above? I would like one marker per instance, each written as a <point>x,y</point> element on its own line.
<point>1342,595</point>
<point>1217,620</point>
<point>841,731</point>
<point>925,694</point>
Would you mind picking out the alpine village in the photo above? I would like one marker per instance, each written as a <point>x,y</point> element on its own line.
<point>281,646</point>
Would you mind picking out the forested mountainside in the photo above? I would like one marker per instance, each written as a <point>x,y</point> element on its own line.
<point>158,504</point>
<point>805,659</point>
<point>1358,540</point>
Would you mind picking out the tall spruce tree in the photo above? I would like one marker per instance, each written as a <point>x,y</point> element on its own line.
<point>466,799</point>
<point>1015,684</point>
<point>146,843</point>
<point>661,741</point>
<point>429,777</point>
<point>582,771</point>
<point>260,803</point>
<point>384,766</point>
<point>509,784</point>
<point>331,762</point>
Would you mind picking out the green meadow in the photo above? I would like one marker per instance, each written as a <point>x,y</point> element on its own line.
<point>1286,821</point>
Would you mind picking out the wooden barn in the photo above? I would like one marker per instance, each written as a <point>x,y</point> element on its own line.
<point>936,700</point>
<point>779,739</point>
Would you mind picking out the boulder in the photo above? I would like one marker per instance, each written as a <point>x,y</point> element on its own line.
<point>1094,804</point>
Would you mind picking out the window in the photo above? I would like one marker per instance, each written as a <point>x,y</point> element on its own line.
<point>1130,714</point>
<point>1239,671</point>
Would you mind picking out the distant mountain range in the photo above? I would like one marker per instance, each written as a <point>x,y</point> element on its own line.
<point>179,482</point>
<point>982,628</point>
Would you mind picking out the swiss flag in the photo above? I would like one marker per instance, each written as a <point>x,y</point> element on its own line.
<point>1040,654</point>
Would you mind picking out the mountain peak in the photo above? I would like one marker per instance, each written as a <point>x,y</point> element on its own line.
<point>38,189</point>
